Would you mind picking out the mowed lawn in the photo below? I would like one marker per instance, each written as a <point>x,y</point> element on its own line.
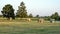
<point>33,27</point>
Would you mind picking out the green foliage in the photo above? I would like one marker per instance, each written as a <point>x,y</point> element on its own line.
<point>21,12</point>
<point>30,15</point>
<point>37,16</point>
<point>8,11</point>
<point>55,16</point>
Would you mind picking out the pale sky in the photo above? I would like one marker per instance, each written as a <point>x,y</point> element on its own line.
<point>40,7</point>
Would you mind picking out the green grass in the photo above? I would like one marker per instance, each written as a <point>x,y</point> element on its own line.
<point>15,27</point>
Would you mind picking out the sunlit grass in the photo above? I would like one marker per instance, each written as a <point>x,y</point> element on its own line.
<point>33,27</point>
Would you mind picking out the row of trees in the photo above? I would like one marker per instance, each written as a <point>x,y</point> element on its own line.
<point>8,12</point>
<point>55,16</point>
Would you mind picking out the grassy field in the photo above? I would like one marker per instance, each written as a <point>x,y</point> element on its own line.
<point>33,27</point>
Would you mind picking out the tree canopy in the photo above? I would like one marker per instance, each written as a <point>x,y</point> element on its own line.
<point>37,16</point>
<point>30,15</point>
<point>21,12</point>
<point>55,16</point>
<point>8,11</point>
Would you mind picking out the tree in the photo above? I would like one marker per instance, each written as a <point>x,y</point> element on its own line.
<point>8,11</point>
<point>55,16</point>
<point>30,15</point>
<point>21,12</point>
<point>37,16</point>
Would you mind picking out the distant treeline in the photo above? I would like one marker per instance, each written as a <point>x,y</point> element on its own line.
<point>8,12</point>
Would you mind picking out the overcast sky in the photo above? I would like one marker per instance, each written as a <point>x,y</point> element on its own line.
<point>40,7</point>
